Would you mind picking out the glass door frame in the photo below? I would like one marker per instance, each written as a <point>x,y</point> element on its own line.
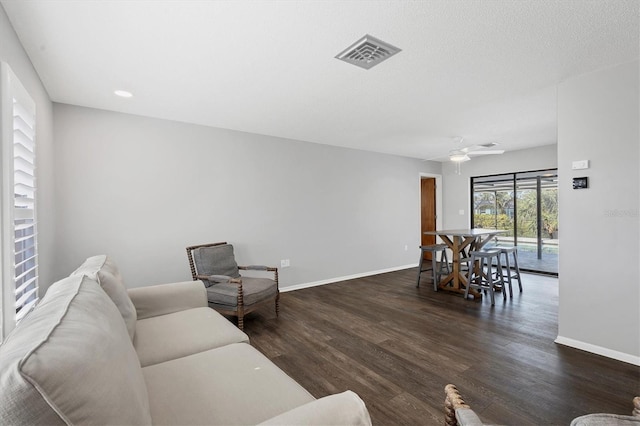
<point>510,183</point>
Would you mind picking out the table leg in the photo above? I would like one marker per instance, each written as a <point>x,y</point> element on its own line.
<point>456,278</point>
<point>452,275</point>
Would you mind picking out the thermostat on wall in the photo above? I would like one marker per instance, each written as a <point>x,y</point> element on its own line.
<point>580,183</point>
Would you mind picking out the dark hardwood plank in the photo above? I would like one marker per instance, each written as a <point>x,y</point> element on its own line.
<point>397,346</point>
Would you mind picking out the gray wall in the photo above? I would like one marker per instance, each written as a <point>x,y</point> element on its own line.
<point>599,288</point>
<point>12,53</point>
<point>456,188</point>
<point>143,189</point>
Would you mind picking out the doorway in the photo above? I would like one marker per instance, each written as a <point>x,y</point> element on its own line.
<point>430,196</point>
<point>526,205</point>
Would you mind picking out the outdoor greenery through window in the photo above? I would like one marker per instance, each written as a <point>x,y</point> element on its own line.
<point>525,204</point>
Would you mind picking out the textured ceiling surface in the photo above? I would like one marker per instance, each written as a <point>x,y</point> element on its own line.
<point>485,71</point>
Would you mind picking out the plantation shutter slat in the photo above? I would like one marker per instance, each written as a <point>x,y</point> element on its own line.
<point>25,285</point>
<point>25,308</point>
<point>25,262</point>
<point>24,182</point>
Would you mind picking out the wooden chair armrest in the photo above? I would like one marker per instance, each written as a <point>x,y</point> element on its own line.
<point>262,268</point>
<point>257,268</point>
<point>452,401</point>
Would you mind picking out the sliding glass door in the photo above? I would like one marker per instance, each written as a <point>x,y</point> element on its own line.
<point>525,204</point>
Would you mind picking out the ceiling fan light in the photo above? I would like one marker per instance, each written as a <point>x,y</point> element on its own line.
<point>459,156</point>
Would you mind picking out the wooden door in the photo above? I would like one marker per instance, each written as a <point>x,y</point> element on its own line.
<point>428,211</point>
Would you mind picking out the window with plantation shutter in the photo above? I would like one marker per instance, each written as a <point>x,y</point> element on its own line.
<point>19,233</point>
<point>24,218</point>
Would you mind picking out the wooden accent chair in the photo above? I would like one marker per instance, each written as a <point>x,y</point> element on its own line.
<point>452,402</point>
<point>227,291</point>
<point>457,413</point>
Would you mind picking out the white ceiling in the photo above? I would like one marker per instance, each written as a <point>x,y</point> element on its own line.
<point>482,70</point>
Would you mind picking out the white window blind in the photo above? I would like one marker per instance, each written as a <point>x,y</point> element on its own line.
<point>19,231</point>
<point>24,217</point>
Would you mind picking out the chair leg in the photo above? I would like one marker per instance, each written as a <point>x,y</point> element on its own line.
<point>241,322</point>
<point>508,266</point>
<point>500,277</point>
<point>420,268</point>
<point>240,309</point>
<point>436,274</point>
<point>491,282</point>
<point>278,304</point>
<point>515,262</point>
<point>469,276</point>
<point>446,261</point>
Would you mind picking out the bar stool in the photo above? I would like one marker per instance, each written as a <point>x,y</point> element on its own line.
<point>437,271</point>
<point>482,277</point>
<point>511,250</point>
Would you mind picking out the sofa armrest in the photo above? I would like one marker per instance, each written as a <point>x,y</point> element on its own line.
<point>345,408</point>
<point>164,299</point>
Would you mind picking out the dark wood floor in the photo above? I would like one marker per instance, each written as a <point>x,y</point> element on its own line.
<point>397,346</point>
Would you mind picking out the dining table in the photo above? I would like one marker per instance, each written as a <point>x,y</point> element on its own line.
<point>461,242</point>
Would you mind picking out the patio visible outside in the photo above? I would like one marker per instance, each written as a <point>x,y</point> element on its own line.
<point>528,254</point>
<point>526,206</point>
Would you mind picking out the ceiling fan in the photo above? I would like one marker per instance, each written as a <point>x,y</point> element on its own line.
<point>465,154</point>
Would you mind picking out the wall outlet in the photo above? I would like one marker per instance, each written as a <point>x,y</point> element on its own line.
<point>285,263</point>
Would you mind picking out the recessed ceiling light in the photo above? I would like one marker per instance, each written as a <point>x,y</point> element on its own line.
<point>123,93</point>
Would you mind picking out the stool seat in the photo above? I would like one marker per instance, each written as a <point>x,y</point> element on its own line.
<point>507,249</point>
<point>434,249</point>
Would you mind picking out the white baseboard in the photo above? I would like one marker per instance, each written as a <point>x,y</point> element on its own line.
<point>599,350</point>
<point>345,278</point>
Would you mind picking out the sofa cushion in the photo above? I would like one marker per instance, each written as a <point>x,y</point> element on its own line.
<point>71,361</point>
<point>344,408</point>
<point>231,385</point>
<point>253,290</point>
<point>102,269</point>
<point>191,331</point>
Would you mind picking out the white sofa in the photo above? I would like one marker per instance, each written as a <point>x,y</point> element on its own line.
<point>92,352</point>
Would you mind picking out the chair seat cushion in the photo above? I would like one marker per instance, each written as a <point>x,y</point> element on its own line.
<point>231,385</point>
<point>254,290</point>
<point>189,332</point>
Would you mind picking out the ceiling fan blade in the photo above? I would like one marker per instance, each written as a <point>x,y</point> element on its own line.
<point>438,158</point>
<point>486,152</point>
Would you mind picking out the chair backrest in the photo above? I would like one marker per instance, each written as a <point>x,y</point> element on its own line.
<point>213,259</point>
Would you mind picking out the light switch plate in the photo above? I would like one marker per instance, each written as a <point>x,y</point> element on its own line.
<point>579,165</point>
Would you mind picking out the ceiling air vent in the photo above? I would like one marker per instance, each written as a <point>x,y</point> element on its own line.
<point>367,52</point>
